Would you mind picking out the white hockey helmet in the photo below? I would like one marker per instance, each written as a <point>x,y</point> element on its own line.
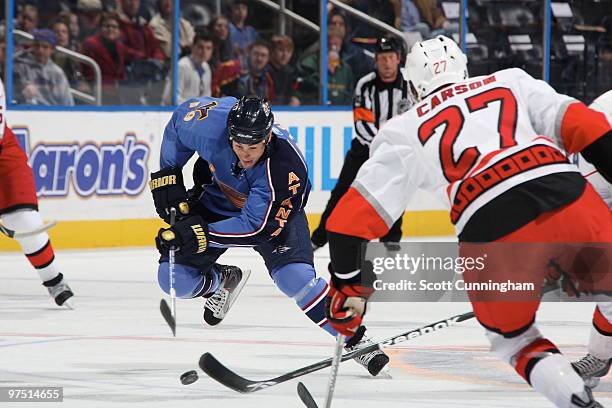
<point>433,63</point>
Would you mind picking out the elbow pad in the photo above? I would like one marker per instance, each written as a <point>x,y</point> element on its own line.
<point>599,154</point>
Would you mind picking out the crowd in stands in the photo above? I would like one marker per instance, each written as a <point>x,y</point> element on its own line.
<point>233,53</point>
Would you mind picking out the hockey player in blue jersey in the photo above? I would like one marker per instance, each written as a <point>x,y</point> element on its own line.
<point>251,187</point>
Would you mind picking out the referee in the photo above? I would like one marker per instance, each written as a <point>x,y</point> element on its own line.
<point>379,95</point>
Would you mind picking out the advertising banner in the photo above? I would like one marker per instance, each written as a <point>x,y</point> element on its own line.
<point>92,168</point>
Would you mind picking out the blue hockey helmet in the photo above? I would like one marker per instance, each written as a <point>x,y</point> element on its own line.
<point>250,120</point>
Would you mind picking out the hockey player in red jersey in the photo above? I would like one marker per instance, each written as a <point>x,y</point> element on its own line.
<point>19,211</point>
<point>493,148</point>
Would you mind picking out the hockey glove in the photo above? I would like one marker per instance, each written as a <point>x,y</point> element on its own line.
<point>188,236</point>
<point>346,307</point>
<point>168,192</point>
<point>202,178</point>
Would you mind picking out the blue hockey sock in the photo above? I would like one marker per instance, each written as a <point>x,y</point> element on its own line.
<point>189,282</point>
<point>299,281</point>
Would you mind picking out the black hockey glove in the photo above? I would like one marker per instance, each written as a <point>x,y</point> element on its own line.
<point>168,192</point>
<point>188,236</point>
<point>202,177</point>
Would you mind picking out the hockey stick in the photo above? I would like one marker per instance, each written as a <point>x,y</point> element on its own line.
<point>303,392</point>
<point>169,314</point>
<point>334,370</point>
<point>217,371</point>
<point>306,396</point>
<point>12,234</point>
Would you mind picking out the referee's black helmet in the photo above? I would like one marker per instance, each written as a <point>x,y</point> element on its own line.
<point>389,44</point>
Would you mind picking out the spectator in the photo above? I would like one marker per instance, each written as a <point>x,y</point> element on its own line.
<point>340,77</point>
<point>257,81</point>
<point>110,54</point>
<point>27,19</point>
<point>283,74</point>
<point>71,67</point>
<point>425,17</point>
<point>161,24</point>
<point>219,28</point>
<point>226,78</point>
<point>62,33</point>
<point>73,26</point>
<point>38,80</point>
<point>226,71</point>
<point>136,35</point>
<point>351,54</point>
<point>194,73</point>
<point>241,34</point>
<point>88,12</point>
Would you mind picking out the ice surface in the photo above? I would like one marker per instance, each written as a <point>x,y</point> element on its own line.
<point>116,350</point>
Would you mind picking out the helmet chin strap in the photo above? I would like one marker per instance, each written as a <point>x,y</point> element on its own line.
<point>237,169</point>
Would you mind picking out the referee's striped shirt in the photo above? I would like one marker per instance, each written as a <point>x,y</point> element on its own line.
<point>375,102</point>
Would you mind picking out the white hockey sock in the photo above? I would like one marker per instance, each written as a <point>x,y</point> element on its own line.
<point>600,341</point>
<point>554,377</point>
<point>539,362</point>
<point>37,248</point>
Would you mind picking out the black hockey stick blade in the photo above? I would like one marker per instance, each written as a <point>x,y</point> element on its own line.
<point>220,373</point>
<point>217,371</point>
<point>167,315</point>
<point>306,396</point>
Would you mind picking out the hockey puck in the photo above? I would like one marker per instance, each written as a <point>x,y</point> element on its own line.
<point>189,377</point>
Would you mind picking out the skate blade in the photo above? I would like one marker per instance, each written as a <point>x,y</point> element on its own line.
<point>69,304</point>
<point>246,275</point>
<point>592,382</point>
<point>385,374</point>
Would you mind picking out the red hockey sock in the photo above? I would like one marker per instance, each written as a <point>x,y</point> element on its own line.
<point>43,257</point>
<point>529,355</point>
<point>601,324</point>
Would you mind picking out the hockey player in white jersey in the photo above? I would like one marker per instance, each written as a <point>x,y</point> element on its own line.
<point>596,363</point>
<point>19,212</point>
<point>493,148</point>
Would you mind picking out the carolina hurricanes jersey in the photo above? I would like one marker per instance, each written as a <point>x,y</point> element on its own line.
<point>2,109</point>
<point>468,143</point>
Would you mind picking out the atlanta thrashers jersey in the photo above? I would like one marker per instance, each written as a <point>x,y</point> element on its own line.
<point>253,205</point>
<point>467,143</point>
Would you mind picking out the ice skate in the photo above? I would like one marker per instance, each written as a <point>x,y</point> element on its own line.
<point>60,291</point>
<point>585,400</point>
<point>591,369</point>
<point>392,246</point>
<point>217,306</point>
<point>373,361</point>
